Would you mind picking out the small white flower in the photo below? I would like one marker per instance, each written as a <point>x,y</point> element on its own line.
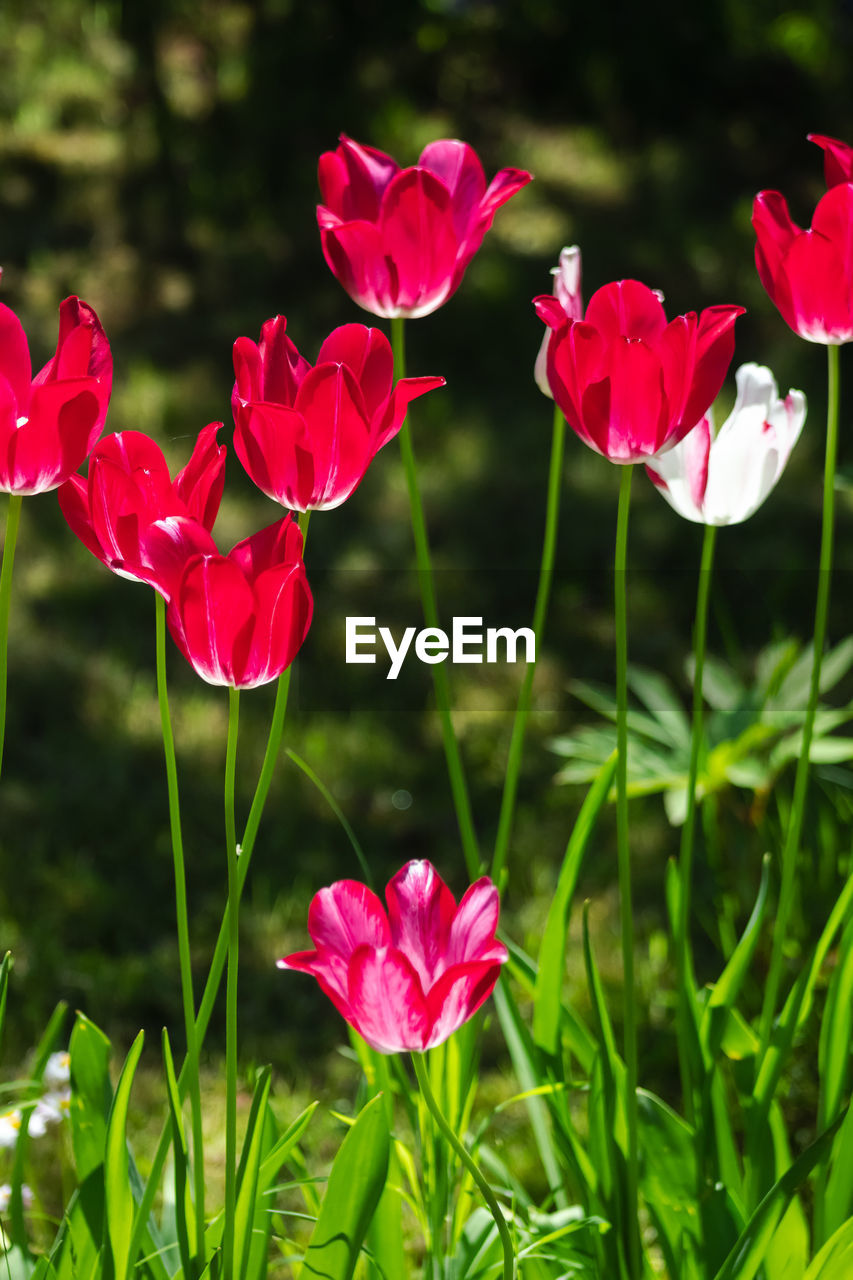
<point>724,478</point>
<point>10,1127</point>
<point>57,1071</point>
<point>6,1197</point>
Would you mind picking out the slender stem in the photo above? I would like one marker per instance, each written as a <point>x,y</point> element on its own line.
<point>302,520</point>
<point>192,1062</point>
<point>470,1164</point>
<point>231,987</point>
<point>540,609</point>
<point>441,683</point>
<point>624,861</point>
<point>217,964</point>
<point>682,938</point>
<point>13,519</point>
<point>795,820</point>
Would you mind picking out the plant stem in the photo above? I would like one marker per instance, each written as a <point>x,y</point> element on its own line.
<point>182,915</point>
<point>13,519</point>
<point>470,1164</point>
<point>217,964</point>
<point>795,820</point>
<point>624,861</point>
<point>684,967</point>
<point>540,609</point>
<point>441,683</point>
<point>231,852</point>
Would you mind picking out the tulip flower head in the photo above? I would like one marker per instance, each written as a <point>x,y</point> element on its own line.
<point>49,423</point>
<point>128,487</point>
<point>723,478</point>
<point>405,980</point>
<point>307,435</point>
<point>808,275</point>
<point>240,619</point>
<point>628,382</point>
<point>567,291</point>
<point>399,240</point>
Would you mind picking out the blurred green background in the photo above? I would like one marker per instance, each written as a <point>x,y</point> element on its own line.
<point>159,160</point>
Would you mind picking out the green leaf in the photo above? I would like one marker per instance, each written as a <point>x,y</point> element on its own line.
<point>838,1196</point>
<point>552,951</point>
<point>249,1207</point>
<point>836,1033</point>
<point>668,1182</point>
<point>352,1194</point>
<point>660,699</point>
<point>91,1095</point>
<point>748,1252</point>
<point>835,1260</point>
<point>5,966</point>
<point>117,1190</point>
<point>183,1203</point>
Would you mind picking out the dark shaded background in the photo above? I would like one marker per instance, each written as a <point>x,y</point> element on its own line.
<point>159,160</point>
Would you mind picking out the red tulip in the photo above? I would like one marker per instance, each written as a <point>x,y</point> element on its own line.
<point>399,240</point>
<point>629,383</point>
<point>49,423</point>
<point>837,159</point>
<point>239,619</point>
<point>307,435</point>
<point>129,487</point>
<point>809,274</point>
<point>408,979</point>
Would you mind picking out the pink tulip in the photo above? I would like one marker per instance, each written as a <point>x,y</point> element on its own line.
<point>808,275</point>
<point>628,382</point>
<point>49,423</point>
<point>129,487</point>
<point>408,979</point>
<point>567,291</point>
<point>837,159</point>
<point>307,435</point>
<point>239,619</point>
<point>723,477</point>
<point>399,240</point>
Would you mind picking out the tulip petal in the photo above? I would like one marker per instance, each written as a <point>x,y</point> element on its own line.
<point>282,367</point>
<point>215,613</point>
<point>367,354</point>
<point>283,610</point>
<point>15,364</point>
<point>332,406</point>
<point>272,443</point>
<point>626,309</point>
<point>199,485</point>
<point>457,996</point>
<point>355,254</point>
<point>331,971</point>
<point>417,236</point>
<point>353,179</point>
<point>406,390</point>
<point>715,345</point>
<point>458,167</point>
<point>74,503</point>
<point>837,159</point>
<point>345,916</point>
<point>472,930</point>
<point>165,548</point>
<point>775,233</point>
<point>61,429</point>
<point>420,911</point>
<point>386,1000</point>
<point>277,544</point>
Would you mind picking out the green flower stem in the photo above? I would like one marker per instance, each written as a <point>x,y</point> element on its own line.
<point>13,519</point>
<point>540,609</point>
<point>422,1073</point>
<point>182,915</point>
<point>624,861</point>
<point>232,856</point>
<point>441,683</point>
<point>217,964</point>
<point>791,847</point>
<point>685,862</point>
<point>302,520</point>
